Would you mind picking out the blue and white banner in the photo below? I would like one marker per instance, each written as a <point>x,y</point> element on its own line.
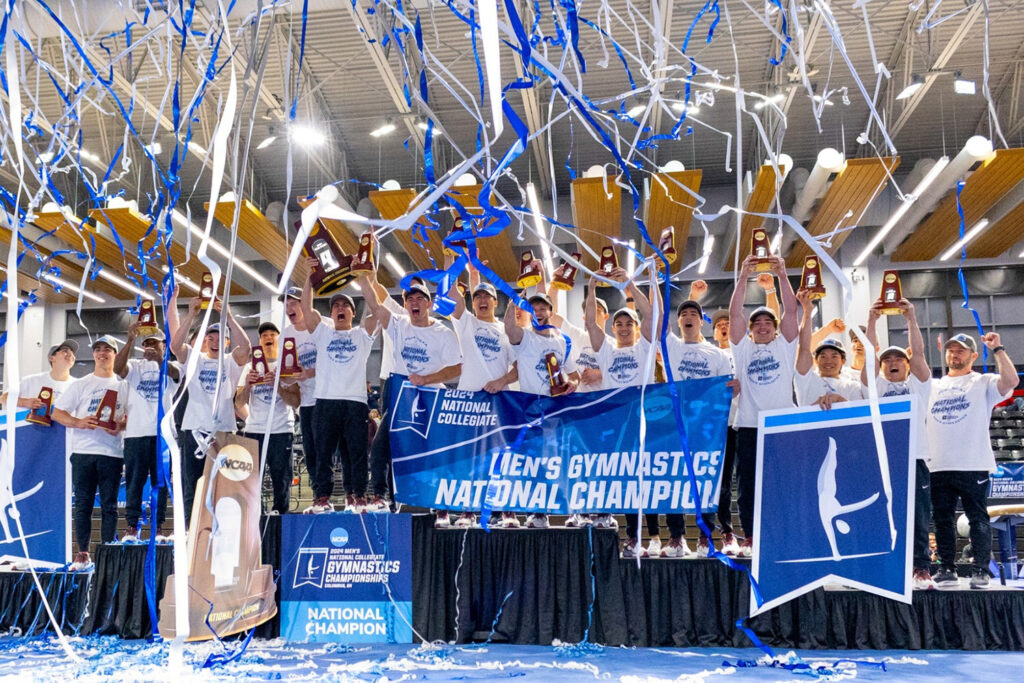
<point>346,578</point>
<point>575,453</point>
<point>829,508</point>
<point>37,479</point>
<point>1006,485</point>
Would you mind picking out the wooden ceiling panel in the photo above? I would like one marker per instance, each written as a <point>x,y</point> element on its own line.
<point>996,176</point>
<point>999,237</point>
<point>496,249</point>
<point>393,204</point>
<point>346,239</point>
<point>69,271</point>
<point>671,204</point>
<point>260,234</point>
<point>759,201</point>
<point>597,213</point>
<point>27,283</point>
<point>845,202</point>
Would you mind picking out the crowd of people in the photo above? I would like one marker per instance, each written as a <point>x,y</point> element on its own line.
<point>775,357</point>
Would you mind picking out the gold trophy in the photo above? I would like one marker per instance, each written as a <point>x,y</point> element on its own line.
<point>206,291</point>
<point>609,262</point>
<point>667,244</point>
<point>811,278</point>
<point>559,385</point>
<point>290,359</point>
<point>41,416</point>
<point>565,274</point>
<point>259,364</point>
<point>107,409</point>
<point>363,262</point>
<point>529,273</point>
<point>333,269</point>
<point>761,248</point>
<point>450,247</point>
<point>147,319</point>
<point>891,293</point>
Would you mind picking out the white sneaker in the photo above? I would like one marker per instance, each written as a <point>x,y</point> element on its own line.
<point>376,504</point>
<point>729,545</point>
<point>633,547</point>
<point>131,535</point>
<point>356,506</point>
<point>319,506</point>
<point>578,520</point>
<point>703,546</point>
<point>164,538</point>
<point>676,548</point>
<point>923,580</point>
<point>467,520</point>
<point>746,547</point>
<point>537,521</point>
<point>82,563</point>
<point>508,520</point>
<point>654,547</point>
<point>441,520</point>
<point>605,521</point>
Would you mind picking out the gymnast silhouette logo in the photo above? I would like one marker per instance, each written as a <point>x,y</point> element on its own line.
<point>414,409</point>
<point>8,498</point>
<point>309,567</point>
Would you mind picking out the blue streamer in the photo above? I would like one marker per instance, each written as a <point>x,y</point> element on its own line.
<point>963,281</point>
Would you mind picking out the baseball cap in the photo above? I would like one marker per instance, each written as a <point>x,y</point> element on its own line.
<point>628,312</point>
<point>106,339</point>
<point>964,340</point>
<point>763,310</point>
<point>267,326</point>
<point>213,329</point>
<point>417,288</point>
<point>689,303</point>
<point>157,336</point>
<point>894,349</point>
<point>66,344</point>
<point>291,293</point>
<point>853,336</point>
<point>831,343</point>
<point>486,287</point>
<point>718,315</point>
<point>541,297</point>
<point>335,299</point>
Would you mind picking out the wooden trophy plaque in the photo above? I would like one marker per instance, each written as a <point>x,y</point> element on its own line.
<point>147,319</point>
<point>559,385</point>
<point>609,262</point>
<point>811,278</point>
<point>761,248</point>
<point>206,291</point>
<point>41,416</point>
<point>107,410</point>
<point>259,364</point>
<point>290,359</point>
<point>363,261</point>
<point>667,244</point>
<point>334,267</point>
<point>565,275</point>
<point>891,293</point>
<point>452,245</point>
<point>529,271</point>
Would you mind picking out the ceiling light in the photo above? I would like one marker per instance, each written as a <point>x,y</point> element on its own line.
<point>631,258</point>
<point>538,224</point>
<point>464,180</point>
<point>902,209</point>
<point>963,86</point>
<point>55,281</point>
<point>777,98</point>
<point>682,106</point>
<point>46,157</point>
<point>306,136</point>
<point>267,142</point>
<point>395,185</point>
<point>422,125</point>
<point>672,166</point>
<point>155,148</point>
<point>395,265</point>
<point>383,130</point>
<point>636,111</point>
<point>87,155</point>
<point>124,284</point>
<point>915,84</point>
<point>970,235</point>
<point>831,160</point>
<point>182,279</point>
<point>709,246</point>
<point>179,218</point>
<point>828,103</point>
<point>196,149</point>
<point>595,171</point>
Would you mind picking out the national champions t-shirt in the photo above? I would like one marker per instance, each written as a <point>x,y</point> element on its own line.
<point>422,350</point>
<point>624,366</point>
<point>142,384</point>
<point>341,362</point>
<point>305,350</point>
<point>486,352</point>
<point>765,372</point>
<point>912,385</point>
<point>531,353</point>
<point>203,386</point>
<point>82,399</point>
<point>959,409</point>
<point>263,399</point>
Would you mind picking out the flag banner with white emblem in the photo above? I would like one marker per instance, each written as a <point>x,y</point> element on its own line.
<point>574,453</point>
<point>831,508</point>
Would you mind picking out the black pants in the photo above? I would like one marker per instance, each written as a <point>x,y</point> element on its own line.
<point>972,490</point>
<point>380,458</point>
<point>279,465</point>
<point>922,516</point>
<point>746,474</point>
<point>308,438</point>
<point>725,490</point>
<point>191,471</point>
<point>140,462</point>
<point>676,524</point>
<point>90,472</point>
<point>340,426</point>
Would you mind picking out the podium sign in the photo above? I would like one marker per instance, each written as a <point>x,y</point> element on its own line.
<point>346,578</point>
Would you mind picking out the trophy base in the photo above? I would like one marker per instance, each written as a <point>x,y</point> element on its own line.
<point>528,281</point>
<point>670,257</point>
<point>814,295</point>
<point>147,330</point>
<point>359,268</point>
<point>564,286</point>
<point>890,311</point>
<point>763,267</point>
<point>560,389</point>
<point>290,375</point>
<point>37,419</point>
<point>107,425</point>
<point>333,283</point>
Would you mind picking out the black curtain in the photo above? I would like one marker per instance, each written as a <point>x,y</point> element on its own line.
<point>21,608</point>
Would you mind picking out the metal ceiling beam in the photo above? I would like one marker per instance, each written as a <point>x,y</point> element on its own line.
<point>957,39</point>
<point>534,121</point>
<point>1009,89</point>
<point>661,18</point>
<point>904,42</point>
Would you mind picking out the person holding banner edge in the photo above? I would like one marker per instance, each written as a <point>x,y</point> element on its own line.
<point>764,352</point>
<point>819,380</point>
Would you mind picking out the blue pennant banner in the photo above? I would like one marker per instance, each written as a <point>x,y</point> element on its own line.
<point>577,453</point>
<point>829,508</point>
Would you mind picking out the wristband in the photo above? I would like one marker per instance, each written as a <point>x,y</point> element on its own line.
<point>998,349</point>
<point>770,291</point>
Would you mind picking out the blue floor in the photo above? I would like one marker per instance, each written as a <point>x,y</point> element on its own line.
<point>107,658</point>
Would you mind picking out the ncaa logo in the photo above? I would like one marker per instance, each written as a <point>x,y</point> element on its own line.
<point>236,462</point>
<point>339,537</point>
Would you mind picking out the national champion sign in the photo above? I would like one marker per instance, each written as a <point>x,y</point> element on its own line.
<point>573,453</point>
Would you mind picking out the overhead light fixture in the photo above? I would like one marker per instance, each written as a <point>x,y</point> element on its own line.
<point>672,166</point>
<point>963,86</point>
<point>384,130</point>
<point>689,109</point>
<point>962,242</point>
<point>818,98</point>
<point>306,136</point>
<point>179,217</point>
<point>196,148</point>
<point>87,155</point>
<point>181,279</point>
<point>902,209</point>
<point>538,224</point>
<point>395,265</point>
<point>395,185</point>
<point>464,180</point>
<point>422,125</point>
<point>46,157</point>
<point>123,283</point>
<point>267,142</point>
<point>636,111</point>
<point>709,246</point>
<point>916,83</point>
<point>777,98</point>
<point>154,148</point>
<point>55,281</point>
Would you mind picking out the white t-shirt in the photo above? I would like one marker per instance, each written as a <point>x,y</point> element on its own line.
<point>31,385</point>
<point>305,349</point>
<point>341,357</point>
<point>848,372</point>
<point>959,409</point>
<point>531,353</point>
<point>812,386</point>
<point>422,350</point>
<point>261,397</point>
<point>486,352</point>
<point>387,356</point>
<point>200,414</point>
<point>624,367</point>
<point>583,354</point>
<point>142,384</point>
<point>697,360</point>
<point>765,372</point>
<point>922,390</point>
<point>82,399</point>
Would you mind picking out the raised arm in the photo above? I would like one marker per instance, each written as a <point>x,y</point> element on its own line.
<point>918,362</point>
<point>1008,378</point>
<point>804,359</point>
<point>788,324</point>
<point>243,347</point>
<point>375,295</point>
<point>121,359</point>
<point>871,332</point>
<point>643,307</point>
<point>590,317</point>
<point>737,323</point>
<point>771,295</point>
<point>453,291</point>
<point>181,334</point>
<point>310,316</point>
<point>833,326</point>
<point>171,313</point>
<point>513,331</point>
